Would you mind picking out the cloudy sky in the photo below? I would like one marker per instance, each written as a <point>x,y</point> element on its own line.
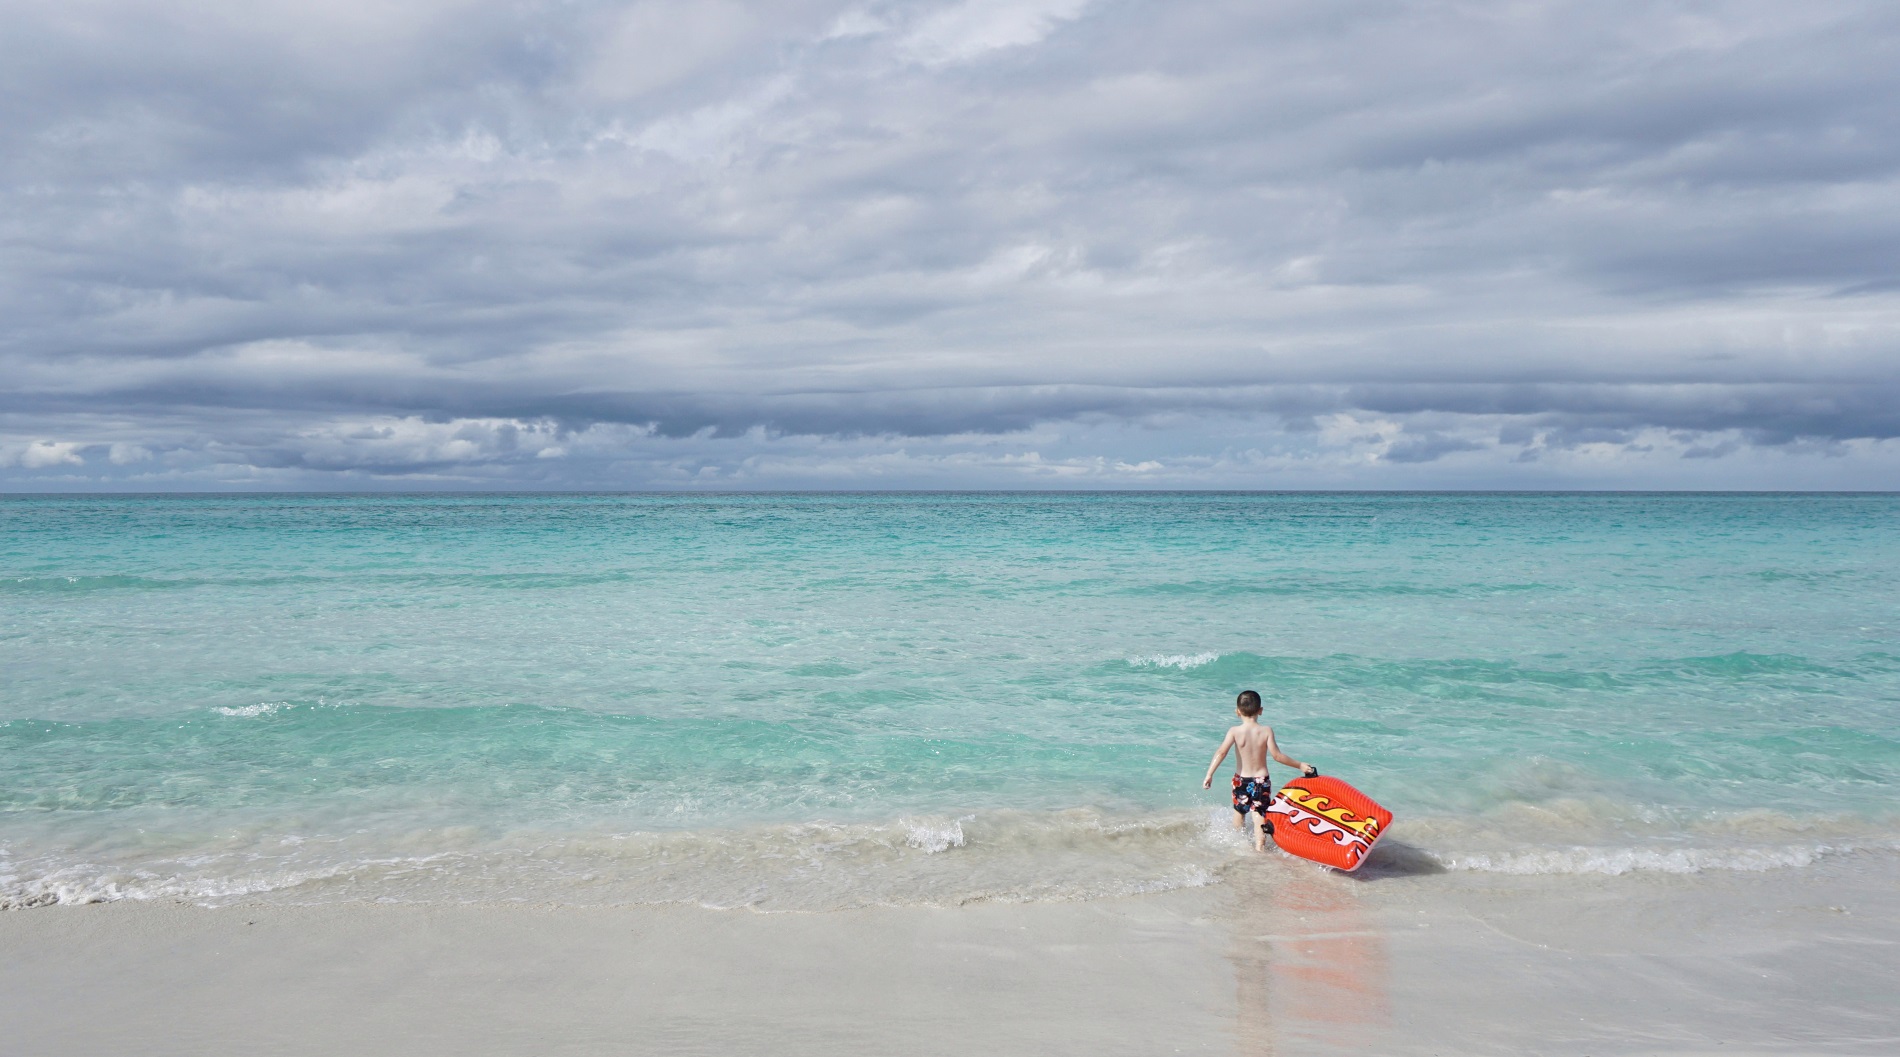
<point>952,243</point>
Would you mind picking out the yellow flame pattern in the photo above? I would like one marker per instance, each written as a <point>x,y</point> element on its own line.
<point>1318,804</point>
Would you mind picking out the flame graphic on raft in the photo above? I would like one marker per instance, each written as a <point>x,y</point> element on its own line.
<point>1316,813</point>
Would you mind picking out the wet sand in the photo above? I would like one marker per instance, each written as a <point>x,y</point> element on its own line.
<point>1280,958</point>
<point>1799,961</point>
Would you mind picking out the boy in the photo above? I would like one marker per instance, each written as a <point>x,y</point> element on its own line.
<point>1252,744</point>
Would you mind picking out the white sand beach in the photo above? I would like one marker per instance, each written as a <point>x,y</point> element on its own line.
<point>1279,959</point>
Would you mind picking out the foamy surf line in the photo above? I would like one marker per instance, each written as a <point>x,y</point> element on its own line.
<point>999,856</point>
<point>931,861</point>
<point>1618,861</point>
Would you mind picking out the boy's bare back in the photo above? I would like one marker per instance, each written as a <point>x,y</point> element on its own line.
<point>1252,743</point>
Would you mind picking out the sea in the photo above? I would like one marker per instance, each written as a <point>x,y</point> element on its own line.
<point>797,702</point>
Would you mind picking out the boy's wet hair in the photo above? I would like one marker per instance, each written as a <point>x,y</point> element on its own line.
<point>1248,703</point>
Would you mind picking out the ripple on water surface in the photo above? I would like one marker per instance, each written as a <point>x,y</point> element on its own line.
<point>801,701</point>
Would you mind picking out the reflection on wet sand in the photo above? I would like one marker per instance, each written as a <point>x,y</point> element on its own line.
<point>1310,966</point>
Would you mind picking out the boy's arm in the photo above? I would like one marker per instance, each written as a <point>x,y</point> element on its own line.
<point>1273,749</point>
<point>1225,744</point>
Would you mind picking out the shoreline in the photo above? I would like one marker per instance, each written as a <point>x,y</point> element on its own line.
<point>1004,855</point>
<point>1280,958</point>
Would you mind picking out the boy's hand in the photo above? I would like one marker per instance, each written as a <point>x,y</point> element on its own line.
<point>1309,771</point>
<point>1207,783</point>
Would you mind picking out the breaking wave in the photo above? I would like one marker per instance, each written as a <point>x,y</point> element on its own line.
<point>1182,661</point>
<point>997,857</point>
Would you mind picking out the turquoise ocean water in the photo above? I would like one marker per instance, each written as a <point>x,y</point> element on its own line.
<point>809,701</point>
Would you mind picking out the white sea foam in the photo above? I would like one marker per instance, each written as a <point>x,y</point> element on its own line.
<point>934,837</point>
<point>84,884</point>
<point>1219,831</point>
<point>1183,661</point>
<point>261,709</point>
<point>1616,861</point>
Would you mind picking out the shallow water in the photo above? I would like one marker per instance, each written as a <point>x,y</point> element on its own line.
<point>792,701</point>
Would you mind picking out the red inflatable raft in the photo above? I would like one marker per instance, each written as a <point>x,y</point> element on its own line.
<point>1327,821</point>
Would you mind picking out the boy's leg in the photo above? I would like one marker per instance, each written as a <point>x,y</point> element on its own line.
<point>1250,806</point>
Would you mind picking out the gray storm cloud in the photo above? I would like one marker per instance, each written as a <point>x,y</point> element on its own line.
<point>976,243</point>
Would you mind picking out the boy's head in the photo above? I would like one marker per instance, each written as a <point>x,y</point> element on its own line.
<point>1248,703</point>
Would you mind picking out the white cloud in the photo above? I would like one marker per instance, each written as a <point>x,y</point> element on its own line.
<point>711,134</point>
<point>856,23</point>
<point>42,454</point>
<point>414,444</point>
<point>965,30</point>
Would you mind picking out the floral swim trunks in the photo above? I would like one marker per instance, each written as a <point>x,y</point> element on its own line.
<point>1252,794</point>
